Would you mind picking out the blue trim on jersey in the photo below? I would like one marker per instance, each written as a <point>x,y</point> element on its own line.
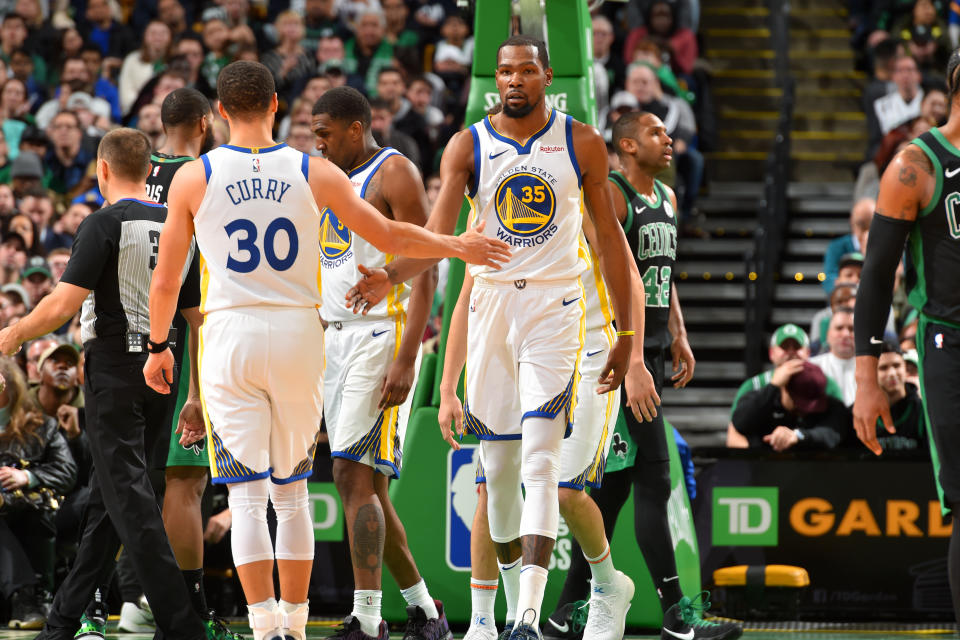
<point>377,462</point>
<point>206,166</point>
<point>363,189</point>
<point>305,167</point>
<point>236,479</point>
<point>149,203</point>
<point>476,160</point>
<point>522,149</point>
<point>570,485</point>
<point>234,147</point>
<point>573,156</point>
<point>293,478</point>
<point>369,161</point>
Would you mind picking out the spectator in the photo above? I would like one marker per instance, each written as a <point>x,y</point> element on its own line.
<point>301,139</point>
<point>142,64</point>
<point>67,161</point>
<point>609,70</point>
<point>58,258</point>
<point>289,62</point>
<point>926,36</point>
<point>897,107</point>
<point>911,360</point>
<point>381,124</point>
<point>661,24</point>
<point>75,79</point>
<point>216,37</point>
<point>799,413</point>
<point>398,33</point>
<point>368,52</point>
<point>37,279</point>
<point>13,36</point>
<point>788,343</point>
<point>648,52</point>
<point>103,86</point>
<point>59,385</point>
<point>28,533</point>
<point>844,295</point>
<point>15,112</point>
<point>114,39</point>
<point>5,165</point>
<point>65,229</point>
<point>38,206</point>
<point>26,173</point>
<point>885,55</point>
<point>839,362</point>
<point>935,107</point>
<point>8,204</point>
<point>321,20</point>
<point>190,49</point>
<point>861,214</point>
<point>906,408</point>
<point>33,350</point>
<point>172,14</point>
<point>312,90</point>
<point>418,118</point>
<point>148,121</point>
<point>15,301</point>
<point>454,53</point>
<point>21,68</point>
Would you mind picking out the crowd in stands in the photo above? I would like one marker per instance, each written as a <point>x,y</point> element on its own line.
<point>71,70</point>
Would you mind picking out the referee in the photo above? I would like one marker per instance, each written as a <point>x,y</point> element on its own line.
<point>113,258</point>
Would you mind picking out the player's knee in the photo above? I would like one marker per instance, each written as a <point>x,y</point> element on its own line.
<point>569,499</point>
<point>294,528</point>
<point>289,499</point>
<point>186,484</point>
<point>249,499</point>
<point>353,479</point>
<point>652,481</point>
<point>540,469</point>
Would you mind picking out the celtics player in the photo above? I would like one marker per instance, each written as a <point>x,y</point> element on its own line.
<point>919,194</point>
<point>639,455</point>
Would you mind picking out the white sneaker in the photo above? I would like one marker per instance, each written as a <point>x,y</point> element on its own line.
<point>293,620</point>
<point>482,627</point>
<point>136,617</point>
<point>609,603</point>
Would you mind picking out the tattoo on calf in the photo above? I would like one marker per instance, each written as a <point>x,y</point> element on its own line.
<point>508,551</point>
<point>537,550</point>
<point>368,535</point>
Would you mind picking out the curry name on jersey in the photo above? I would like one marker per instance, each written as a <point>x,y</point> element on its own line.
<point>529,195</point>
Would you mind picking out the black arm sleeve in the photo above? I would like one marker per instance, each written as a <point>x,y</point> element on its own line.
<point>92,248</point>
<point>884,249</point>
<point>190,289</point>
<point>830,429</point>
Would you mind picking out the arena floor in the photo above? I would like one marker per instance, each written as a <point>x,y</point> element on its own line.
<point>756,631</point>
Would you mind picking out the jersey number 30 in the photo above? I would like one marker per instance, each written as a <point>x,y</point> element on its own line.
<point>247,235</point>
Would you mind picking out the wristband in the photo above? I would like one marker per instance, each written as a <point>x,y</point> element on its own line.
<point>626,333</point>
<point>157,347</point>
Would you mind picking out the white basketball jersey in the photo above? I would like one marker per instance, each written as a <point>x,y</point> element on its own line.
<point>595,296</point>
<point>341,251</point>
<point>529,196</point>
<point>256,229</point>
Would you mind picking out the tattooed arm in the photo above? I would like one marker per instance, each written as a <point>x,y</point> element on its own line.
<point>907,186</point>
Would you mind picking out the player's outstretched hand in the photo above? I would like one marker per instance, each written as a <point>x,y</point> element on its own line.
<point>190,425</point>
<point>683,362</point>
<point>641,392</point>
<point>158,371</point>
<point>369,290</point>
<point>9,343</point>
<point>450,411</point>
<point>476,248</point>
<point>397,384</point>
<point>615,368</point>
<point>871,403</point>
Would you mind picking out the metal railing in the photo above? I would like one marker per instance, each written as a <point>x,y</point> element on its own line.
<point>763,262</point>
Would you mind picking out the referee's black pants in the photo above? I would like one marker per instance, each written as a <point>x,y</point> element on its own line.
<point>124,416</point>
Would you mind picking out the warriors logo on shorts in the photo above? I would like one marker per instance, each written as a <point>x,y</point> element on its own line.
<point>525,204</point>
<point>335,239</point>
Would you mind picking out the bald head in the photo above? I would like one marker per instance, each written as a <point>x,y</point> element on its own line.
<point>861,214</point>
<point>643,83</point>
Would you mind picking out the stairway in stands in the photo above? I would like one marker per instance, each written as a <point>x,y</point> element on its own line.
<point>711,286</point>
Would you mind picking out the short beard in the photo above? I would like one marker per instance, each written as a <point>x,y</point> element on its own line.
<point>208,141</point>
<point>519,112</point>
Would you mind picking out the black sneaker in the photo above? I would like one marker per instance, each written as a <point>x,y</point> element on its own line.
<point>350,630</point>
<point>507,631</point>
<point>685,620</point>
<point>419,627</point>
<point>526,630</point>
<point>91,628</point>
<point>217,628</point>
<point>567,622</point>
<point>26,611</point>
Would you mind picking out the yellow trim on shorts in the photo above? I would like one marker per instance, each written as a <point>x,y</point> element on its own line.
<point>204,281</point>
<point>391,417</point>
<point>601,447</point>
<point>605,307</point>
<point>582,339</point>
<point>211,454</point>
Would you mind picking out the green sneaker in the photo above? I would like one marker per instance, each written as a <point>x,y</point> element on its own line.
<point>217,628</point>
<point>685,620</point>
<point>91,628</point>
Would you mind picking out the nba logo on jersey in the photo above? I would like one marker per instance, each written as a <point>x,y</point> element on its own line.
<point>461,503</point>
<point>256,165</point>
<point>335,240</point>
<point>526,205</point>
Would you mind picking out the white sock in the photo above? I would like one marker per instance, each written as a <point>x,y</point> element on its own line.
<point>264,618</point>
<point>294,618</point>
<point>511,586</point>
<point>483,597</point>
<point>601,567</point>
<point>533,582</point>
<point>366,609</point>
<point>418,596</point>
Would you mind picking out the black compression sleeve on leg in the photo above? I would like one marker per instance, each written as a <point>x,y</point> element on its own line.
<point>953,563</point>
<point>651,490</point>
<point>884,249</point>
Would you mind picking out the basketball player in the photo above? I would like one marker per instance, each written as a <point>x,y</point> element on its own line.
<point>254,207</point>
<point>918,198</point>
<point>523,170</point>
<point>372,364</point>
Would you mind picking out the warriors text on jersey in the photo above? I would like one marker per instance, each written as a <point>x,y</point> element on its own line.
<point>934,244</point>
<point>341,251</point>
<point>529,196</point>
<point>162,168</point>
<point>651,229</point>
<point>256,228</point>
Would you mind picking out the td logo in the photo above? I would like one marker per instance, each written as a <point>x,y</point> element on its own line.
<point>745,516</point>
